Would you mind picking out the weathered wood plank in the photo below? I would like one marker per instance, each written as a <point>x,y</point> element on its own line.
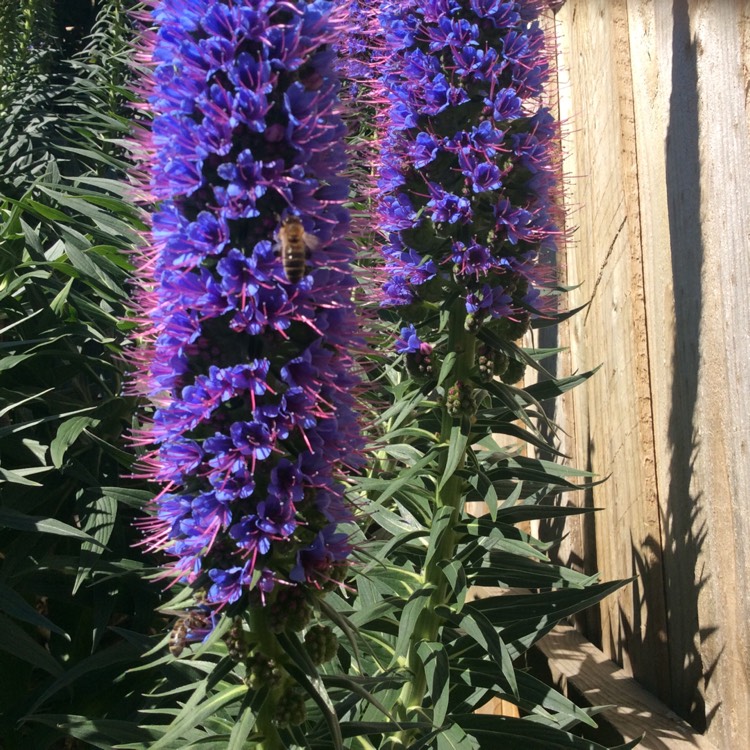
<point>612,431</point>
<point>657,95</point>
<point>575,662</point>
<point>707,515</point>
<point>663,62</point>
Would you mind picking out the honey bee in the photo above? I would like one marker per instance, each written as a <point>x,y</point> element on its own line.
<point>190,627</point>
<point>178,637</point>
<point>294,243</point>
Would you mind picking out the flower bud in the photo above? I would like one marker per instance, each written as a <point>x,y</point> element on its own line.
<point>460,400</point>
<point>236,641</point>
<point>262,672</point>
<point>290,708</point>
<point>290,610</point>
<point>321,644</point>
<point>514,372</point>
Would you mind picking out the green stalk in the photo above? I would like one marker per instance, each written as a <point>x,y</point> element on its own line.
<point>450,495</point>
<point>261,633</point>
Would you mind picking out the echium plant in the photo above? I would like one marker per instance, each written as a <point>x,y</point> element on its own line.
<point>248,362</point>
<point>465,202</point>
<point>248,351</point>
<point>467,169</point>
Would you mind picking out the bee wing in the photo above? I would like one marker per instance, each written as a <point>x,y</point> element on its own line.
<point>311,241</point>
<point>171,612</point>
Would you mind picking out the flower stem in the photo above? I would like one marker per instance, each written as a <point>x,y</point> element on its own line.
<point>270,739</point>
<point>450,495</point>
<point>261,633</point>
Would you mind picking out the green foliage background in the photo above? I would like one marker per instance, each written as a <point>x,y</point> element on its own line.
<point>74,604</point>
<point>82,653</point>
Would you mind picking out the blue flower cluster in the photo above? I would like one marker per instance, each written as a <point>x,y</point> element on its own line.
<point>466,170</point>
<point>251,374</point>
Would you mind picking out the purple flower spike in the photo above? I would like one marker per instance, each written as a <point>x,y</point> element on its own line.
<point>249,366</point>
<point>465,170</point>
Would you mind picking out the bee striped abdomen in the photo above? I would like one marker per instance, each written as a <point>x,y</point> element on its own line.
<point>294,243</point>
<point>294,261</point>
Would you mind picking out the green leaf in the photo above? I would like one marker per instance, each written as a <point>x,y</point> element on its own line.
<point>447,367</point>
<point>32,240</point>
<point>101,515</point>
<point>513,570</point>
<point>128,496</point>
<point>83,263</point>
<point>485,489</point>
<point>546,320</point>
<point>437,672</point>
<point>356,687</point>
<point>119,653</point>
<point>455,738</point>
<point>455,574</point>
<point>400,410</point>
<point>15,605</point>
<point>507,609</point>
<point>83,206</point>
<point>46,212</point>
<point>100,733</point>
<point>363,728</point>
<point>524,619</point>
<point>533,694</point>
<point>17,642</point>
<point>521,513</point>
<point>197,713</point>
<point>386,549</point>
<point>244,725</point>
<point>478,627</point>
<point>13,519</point>
<point>20,476</point>
<point>403,452</point>
<point>9,362</point>
<point>19,322</point>
<point>407,622</point>
<point>21,426</point>
<point>441,524</point>
<point>67,434</point>
<point>58,303</point>
<point>458,441</point>
<point>502,731</point>
<point>545,389</point>
<point>303,670</point>
<point>404,477</point>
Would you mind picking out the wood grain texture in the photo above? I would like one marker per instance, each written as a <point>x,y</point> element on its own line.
<point>657,93</point>
<point>576,663</point>
<point>610,423</point>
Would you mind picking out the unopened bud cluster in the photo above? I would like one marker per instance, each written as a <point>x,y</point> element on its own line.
<point>236,641</point>
<point>265,673</point>
<point>290,709</point>
<point>515,328</point>
<point>485,365</point>
<point>419,365</point>
<point>460,400</point>
<point>290,610</point>
<point>418,353</point>
<point>321,644</point>
<point>262,672</point>
<point>514,372</point>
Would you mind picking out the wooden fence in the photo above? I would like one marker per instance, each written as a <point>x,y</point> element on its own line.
<point>656,95</point>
